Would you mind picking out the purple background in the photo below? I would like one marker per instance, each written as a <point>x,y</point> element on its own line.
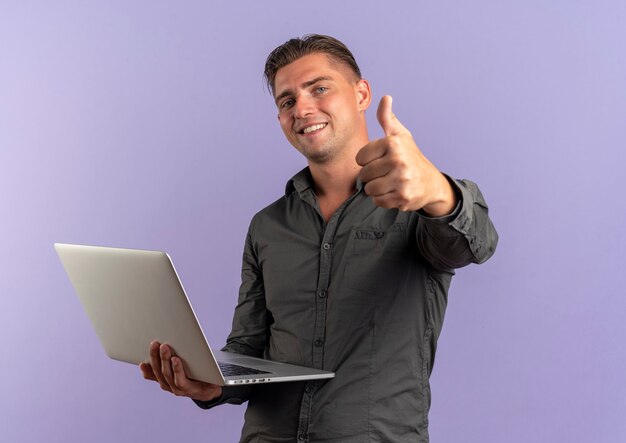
<point>145,124</point>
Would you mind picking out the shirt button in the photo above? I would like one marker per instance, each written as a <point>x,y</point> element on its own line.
<point>326,246</point>
<point>380,235</point>
<point>319,342</point>
<point>301,437</point>
<point>321,294</point>
<point>308,389</point>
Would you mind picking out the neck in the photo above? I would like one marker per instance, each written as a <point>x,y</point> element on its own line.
<point>336,180</point>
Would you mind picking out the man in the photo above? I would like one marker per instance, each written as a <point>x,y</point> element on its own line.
<point>347,272</point>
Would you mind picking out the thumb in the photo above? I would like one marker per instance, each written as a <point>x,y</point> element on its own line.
<point>387,119</point>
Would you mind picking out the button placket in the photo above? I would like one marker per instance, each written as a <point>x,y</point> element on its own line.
<point>323,282</point>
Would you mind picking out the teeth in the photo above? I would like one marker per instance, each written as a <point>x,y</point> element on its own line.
<point>313,128</point>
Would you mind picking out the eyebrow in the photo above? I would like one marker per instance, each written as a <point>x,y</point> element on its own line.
<point>304,85</point>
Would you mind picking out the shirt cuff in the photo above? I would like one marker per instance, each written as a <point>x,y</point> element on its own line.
<point>449,218</point>
<point>230,394</point>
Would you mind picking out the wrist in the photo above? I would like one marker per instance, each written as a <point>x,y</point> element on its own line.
<point>445,201</point>
<point>210,395</point>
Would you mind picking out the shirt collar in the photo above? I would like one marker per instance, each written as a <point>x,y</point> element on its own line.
<point>300,182</point>
<point>303,180</point>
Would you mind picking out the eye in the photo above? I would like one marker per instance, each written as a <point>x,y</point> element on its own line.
<point>287,104</point>
<point>321,89</point>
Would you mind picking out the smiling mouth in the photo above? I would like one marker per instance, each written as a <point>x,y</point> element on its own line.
<point>312,128</point>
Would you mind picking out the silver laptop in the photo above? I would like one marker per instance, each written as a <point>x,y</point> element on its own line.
<point>133,297</point>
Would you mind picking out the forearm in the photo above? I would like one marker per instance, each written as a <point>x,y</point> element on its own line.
<point>446,199</point>
<point>463,237</point>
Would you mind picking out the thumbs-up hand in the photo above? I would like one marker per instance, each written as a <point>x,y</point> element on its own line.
<point>398,175</point>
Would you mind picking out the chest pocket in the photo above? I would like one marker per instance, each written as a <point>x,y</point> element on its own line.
<point>377,260</point>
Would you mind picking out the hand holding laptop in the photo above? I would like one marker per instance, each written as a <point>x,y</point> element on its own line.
<point>167,369</point>
<point>134,297</point>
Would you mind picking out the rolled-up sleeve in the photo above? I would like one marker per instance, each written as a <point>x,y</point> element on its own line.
<point>249,332</point>
<point>465,236</point>
<point>234,395</point>
<point>250,324</point>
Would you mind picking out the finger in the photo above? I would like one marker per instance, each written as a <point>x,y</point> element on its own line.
<point>392,200</point>
<point>147,372</point>
<point>166,365</point>
<point>183,385</point>
<point>180,378</point>
<point>388,201</point>
<point>379,168</point>
<point>155,363</point>
<point>181,381</point>
<point>155,360</point>
<point>373,171</point>
<point>379,187</point>
<point>192,388</point>
<point>387,119</point>
<point>371,151</point>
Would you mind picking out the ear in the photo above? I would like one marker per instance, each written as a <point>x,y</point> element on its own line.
<point>364,94</point>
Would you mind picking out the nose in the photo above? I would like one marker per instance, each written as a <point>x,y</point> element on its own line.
<point>304,106</point>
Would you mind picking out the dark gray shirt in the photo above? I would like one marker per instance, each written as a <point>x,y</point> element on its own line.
<point>362,295</point>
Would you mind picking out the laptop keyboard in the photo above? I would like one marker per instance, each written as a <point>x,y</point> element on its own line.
<point>229,370</point>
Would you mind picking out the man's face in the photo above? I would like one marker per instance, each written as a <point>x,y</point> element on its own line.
<point>320,106</point>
